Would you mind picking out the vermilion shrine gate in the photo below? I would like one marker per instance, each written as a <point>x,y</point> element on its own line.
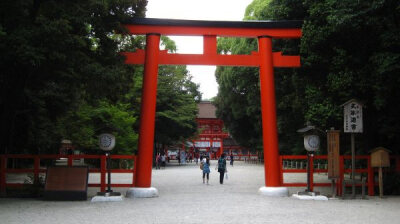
<point>211,135</point>
<point>212,140</point>
<point>265,59</point>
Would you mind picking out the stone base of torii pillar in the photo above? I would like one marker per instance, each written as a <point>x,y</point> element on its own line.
<point>274,191</point>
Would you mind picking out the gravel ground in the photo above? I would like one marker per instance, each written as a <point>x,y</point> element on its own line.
<point>185,199</point>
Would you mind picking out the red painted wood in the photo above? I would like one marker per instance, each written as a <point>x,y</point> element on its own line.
<point>70,160</point>
<point>36,167</point>
<point>371,178</point>
<point>207,58</point>
<point>369,170</point>
<point>302,157</point>
<point>305,184</point>
<point>280,170</point>
<point>148,112</point>
<point>209,45</point>
<point>311,173</point>
<point>268,113</point>
<point>3,166</point>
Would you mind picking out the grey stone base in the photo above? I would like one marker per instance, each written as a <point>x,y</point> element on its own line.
<point>310,197</point>
<point>274,191</point>
<point>142,192</point>
<point>106,198</point>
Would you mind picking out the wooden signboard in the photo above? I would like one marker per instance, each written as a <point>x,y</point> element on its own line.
<point>66,183</point>
<point>333,154</point>
<point>380,157</point>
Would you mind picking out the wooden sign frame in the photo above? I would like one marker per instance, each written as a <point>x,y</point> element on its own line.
<point>64,183</point>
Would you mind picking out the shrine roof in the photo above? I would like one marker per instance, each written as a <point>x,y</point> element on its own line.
<point>206,110</point>
<point>208,23</point>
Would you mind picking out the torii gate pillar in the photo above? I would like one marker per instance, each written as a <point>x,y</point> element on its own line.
<point>269,125</point>
<point>147,121</point>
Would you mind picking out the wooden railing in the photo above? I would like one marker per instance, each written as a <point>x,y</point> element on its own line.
<point>242,157</point>
<point>368,170</point>
<point>37,169</point>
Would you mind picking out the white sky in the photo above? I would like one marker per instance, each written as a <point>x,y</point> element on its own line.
<point>231,10</point>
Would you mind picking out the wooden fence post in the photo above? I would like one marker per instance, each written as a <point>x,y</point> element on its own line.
<point>36,167</point>
<point>134,171</point>
<point>280,171</point>
<point>312,173</point>
<point>371,184</point>
<point>341,176</point>
<point>70,160</point>
<point>3,167</point>
<point>103,173</point>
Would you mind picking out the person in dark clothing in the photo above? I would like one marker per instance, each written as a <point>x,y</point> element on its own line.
<point>222,168</point>
<point>231,160</point>
<point>206,170</point>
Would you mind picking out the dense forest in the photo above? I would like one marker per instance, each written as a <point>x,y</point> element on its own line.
<point>62,77</point>
<point>349,49</point>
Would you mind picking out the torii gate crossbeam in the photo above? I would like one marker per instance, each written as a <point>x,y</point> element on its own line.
<point>265,59</point>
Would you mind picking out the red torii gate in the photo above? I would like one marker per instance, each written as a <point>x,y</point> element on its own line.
<point>265,59</point>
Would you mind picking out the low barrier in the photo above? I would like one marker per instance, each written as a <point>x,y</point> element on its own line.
<point>242,157</point>
<point>286,162</point>
<point>37,169</point>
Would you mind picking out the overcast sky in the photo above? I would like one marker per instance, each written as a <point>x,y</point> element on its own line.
<point>232,10</point>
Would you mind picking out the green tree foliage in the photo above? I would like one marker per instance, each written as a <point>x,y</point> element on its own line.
<point>53,55</point>
<point>238,95</point>
<point>349,49</point>
<point>177,98</point>
<point>62,75</point>
<point>84,125</point>
<point>238,100</point>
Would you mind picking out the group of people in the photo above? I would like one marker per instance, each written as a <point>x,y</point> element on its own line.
<point>221,167</point>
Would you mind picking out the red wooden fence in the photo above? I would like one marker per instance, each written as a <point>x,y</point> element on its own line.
<point>369,170</point>
<point>36,170</point>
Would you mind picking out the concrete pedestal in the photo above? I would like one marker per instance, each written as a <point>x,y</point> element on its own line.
<point>100,198</point>
<point>310,197</point>
<point>139,192</point>
<point>274,191</point>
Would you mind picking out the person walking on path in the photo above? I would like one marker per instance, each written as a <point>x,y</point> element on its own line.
<point>222,168</point>
<point>206,169</point>
<point>231,160</point>
<point>158,161</point>
<point>163,160</point>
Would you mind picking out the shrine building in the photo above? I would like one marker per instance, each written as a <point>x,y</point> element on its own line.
<point>212,139</point>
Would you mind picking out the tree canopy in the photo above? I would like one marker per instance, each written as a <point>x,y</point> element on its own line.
<point>349,49</point>
<point>63,77</point>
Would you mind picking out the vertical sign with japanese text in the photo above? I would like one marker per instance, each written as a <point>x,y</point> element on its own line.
<point>353,117</point>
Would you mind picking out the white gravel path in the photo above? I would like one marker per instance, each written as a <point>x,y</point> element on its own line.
<point>185,199</point>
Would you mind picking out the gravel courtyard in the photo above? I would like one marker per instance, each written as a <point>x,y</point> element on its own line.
<point>185,199</point>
